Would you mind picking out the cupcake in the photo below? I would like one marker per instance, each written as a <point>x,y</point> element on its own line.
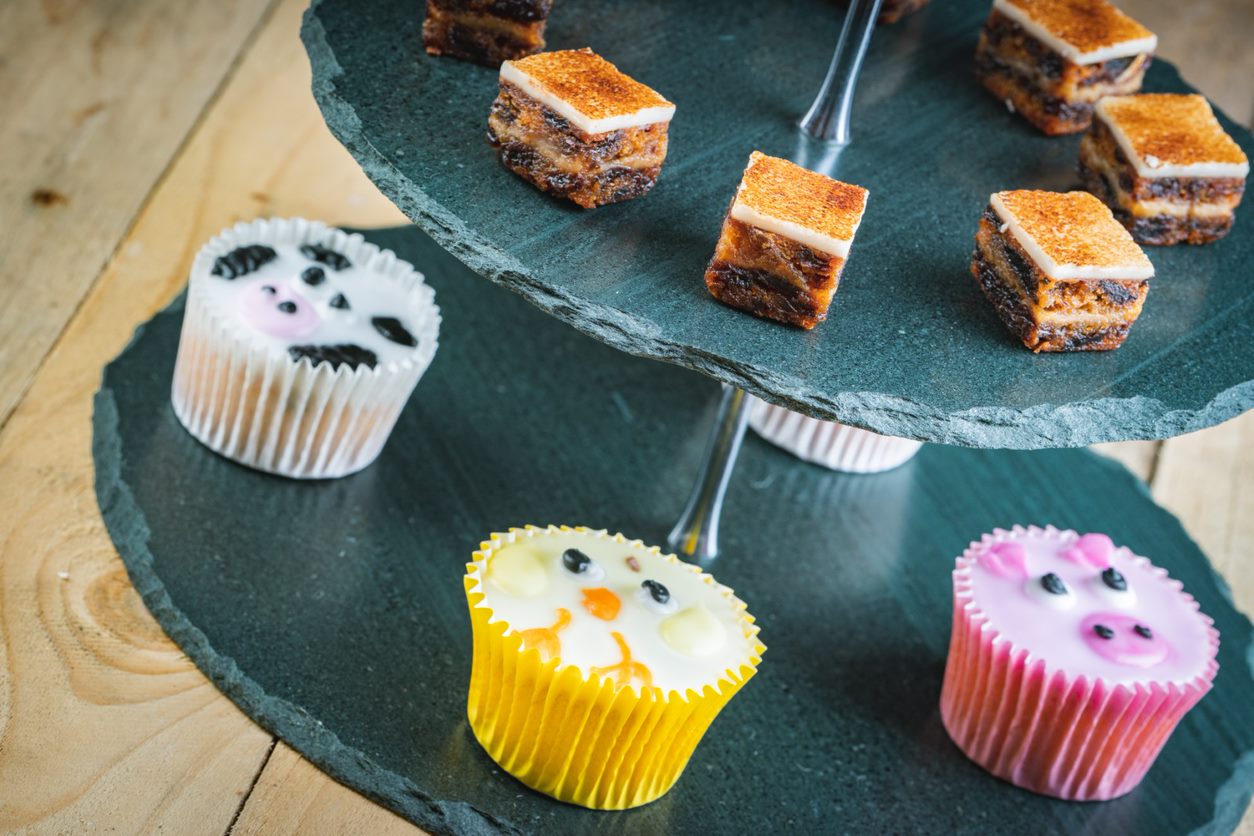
<point>300,346</point>
<point>599,662</point>
<point>828,443</point>
<point>1071,661</point>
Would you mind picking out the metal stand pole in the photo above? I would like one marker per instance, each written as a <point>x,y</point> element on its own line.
<point>696,534</point>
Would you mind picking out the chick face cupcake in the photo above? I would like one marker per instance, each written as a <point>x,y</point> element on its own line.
<point>300,346</point>
<point>1071,661</point>
<point>599,662</point>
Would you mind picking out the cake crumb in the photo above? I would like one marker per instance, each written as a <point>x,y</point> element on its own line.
<point>1010,106</point>
<point>1002,229</point>
<point>65,576</point>
<point>1152,161</point>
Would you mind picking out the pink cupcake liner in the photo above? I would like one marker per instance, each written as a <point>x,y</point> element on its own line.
<point>1068,737</point>
<point>828,443</point>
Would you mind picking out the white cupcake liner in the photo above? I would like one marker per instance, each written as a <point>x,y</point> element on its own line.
<point>828,443</point>
<point>249,401</point>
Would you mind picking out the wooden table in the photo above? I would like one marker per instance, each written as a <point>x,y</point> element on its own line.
<point>132,133</point>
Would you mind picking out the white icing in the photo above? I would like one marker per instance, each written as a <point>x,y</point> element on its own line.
<point>1068,51</point>
<point>1151,166</point>
<point>793,231</point>
<point>701,646</point>
<point>370,285</point>
<point>1062,272</point>
<point>536,90</point>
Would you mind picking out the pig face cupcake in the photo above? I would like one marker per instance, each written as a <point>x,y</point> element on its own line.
<point>1071,661</point>
<point>599,662</point>
<point>300,346</point>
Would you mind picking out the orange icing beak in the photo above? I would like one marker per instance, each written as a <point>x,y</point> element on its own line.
<point>602,603</point>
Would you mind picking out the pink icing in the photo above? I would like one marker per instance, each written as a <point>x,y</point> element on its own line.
<point>1125,646</point>
<point>1008,592</point>
<point>261,304</point>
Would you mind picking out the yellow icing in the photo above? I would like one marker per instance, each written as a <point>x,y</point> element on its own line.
<point>519,571</point>
<point>693,631</point>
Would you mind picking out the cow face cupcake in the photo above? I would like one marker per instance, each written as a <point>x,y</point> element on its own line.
<point>300,346</point>
<point>599,662</point>
<point>1071,661</point>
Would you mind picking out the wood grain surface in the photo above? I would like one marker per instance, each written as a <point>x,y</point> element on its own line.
<point>162,123</point>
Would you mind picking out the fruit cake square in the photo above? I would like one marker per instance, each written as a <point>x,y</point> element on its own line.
<point>784,242</point>
<point>572,125</point>
<point>1051,60</point>
<point>1060,271</point>
<point>1165,166</point>
<point>892,11</point>
<point>485,31</point>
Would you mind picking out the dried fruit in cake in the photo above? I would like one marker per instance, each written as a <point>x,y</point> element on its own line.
<point>1050,61</point>
<point>784,242</point>
<point>574,126</point>
<point>590,636</point>
<point>1071,661</point>
<point>1165,167</point>
<point>1060,271</point>
<point>485,31</point>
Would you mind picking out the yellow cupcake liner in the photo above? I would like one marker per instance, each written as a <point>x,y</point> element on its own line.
<point>583,738</point>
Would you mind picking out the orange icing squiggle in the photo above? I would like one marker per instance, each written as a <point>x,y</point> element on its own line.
<point>545,639</point>
<point>628,669</point>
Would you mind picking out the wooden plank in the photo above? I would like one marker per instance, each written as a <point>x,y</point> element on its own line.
<point>97,98</point>
<point>103,722</point>
<point>292,796</point>
<point>1137,456</point>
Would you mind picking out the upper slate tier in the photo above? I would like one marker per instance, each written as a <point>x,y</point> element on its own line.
<point>910,347</point>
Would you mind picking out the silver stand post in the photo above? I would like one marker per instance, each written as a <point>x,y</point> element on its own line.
<point>696,534</point>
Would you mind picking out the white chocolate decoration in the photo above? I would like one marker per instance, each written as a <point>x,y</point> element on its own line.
<point>595,611</point>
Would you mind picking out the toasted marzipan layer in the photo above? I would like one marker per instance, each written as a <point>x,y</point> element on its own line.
<point>1101,152</point>
<point>523,11</point>
<point>1053,299</point>
<point>481,38</point>
<point>1157,230</point>
<point>772,276</point>
<point>894,10</point>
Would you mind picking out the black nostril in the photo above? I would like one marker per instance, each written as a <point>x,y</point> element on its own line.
<point>287,307</point>
<point>1112,578</point>
<point>1103,631</point>
<point>1143,631</point>
<point>1053,584</point>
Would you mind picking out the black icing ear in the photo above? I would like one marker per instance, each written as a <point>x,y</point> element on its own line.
<point>322,255</point>
<point>390,327</point>
<point>345,354</point>
<point>243,260</point>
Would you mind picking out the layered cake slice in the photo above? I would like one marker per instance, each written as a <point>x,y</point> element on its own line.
<point>572,125</point>
<point>486,31</point>
<point>784,242</point>
<point>1051,60</point>
<point>1166,167</point>
<point>1061,272</point>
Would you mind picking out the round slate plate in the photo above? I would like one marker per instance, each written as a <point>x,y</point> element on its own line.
<point>333,612</point>
<point>911,348</point>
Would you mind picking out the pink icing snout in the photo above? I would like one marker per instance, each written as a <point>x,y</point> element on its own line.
<point>1125,645</point>
<point>276,309</point>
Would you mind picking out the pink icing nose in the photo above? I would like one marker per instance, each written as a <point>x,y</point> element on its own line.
<point>276,309</point>
<point>1123,640</point>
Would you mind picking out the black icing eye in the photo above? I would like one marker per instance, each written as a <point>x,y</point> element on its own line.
<point>1113,579</point>
<point>268,289</point>
<point>339,301</point>
<point>1053,584</point>
<point>656,591</point>
<point>1103,631</point>
<point>287,307</point>
<point>576,561</point>
<point>322,255</point>
<point>345,354</point>
<point>314,276</point>
<point>1143,631</point>
<point>242,260</point>
<point>390,327</point>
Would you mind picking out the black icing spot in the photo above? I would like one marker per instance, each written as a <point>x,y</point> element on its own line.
<point>657,591</point>
<point>1113,579</point>
<point>390,327</point>
<point>1053,584</point>
<point>576,561</point>
<point>322,255</point>
<point>339,301</point>
<point>1103,631</point>
<point>243,260</point>
<point>314,276</point>
<point>345,354</point>
<point>1143,631</point>
<point>287,307</point>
